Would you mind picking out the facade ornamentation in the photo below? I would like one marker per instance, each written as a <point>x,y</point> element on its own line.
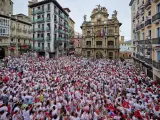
<point>100,35</point>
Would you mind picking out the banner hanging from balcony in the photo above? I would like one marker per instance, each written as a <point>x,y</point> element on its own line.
<point>24,46</point>
<point>11,48</point>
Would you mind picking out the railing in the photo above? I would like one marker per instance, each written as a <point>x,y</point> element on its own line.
<point>148,3</point>
<point>48,38</point>
<point>137,15</point>
<point>141,57</point>
<point>13,44</point>
<point>4,44</point>
<point>48,28</point>
<point>48,19</point>
<point>38,48</point>
<point>39,11</point>
<point>156,65</point>
<point>110,33</point>
<point>61,23</point>
<point>156,41</point>
<point>148,22</point>
<point>55,11</point>
<point>55,30</point>
<point>156,17</point>
<point>55,20</point>
<point>142,26</point>
<point>39,39</point>
<point>61,15</point>
<point>112,46</point>
<point>60,39</point>
<point>148,60</point>
<point>39,29</point>
<point>99,46</point>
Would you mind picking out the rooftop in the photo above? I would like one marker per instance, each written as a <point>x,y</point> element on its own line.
<point>48,1</point>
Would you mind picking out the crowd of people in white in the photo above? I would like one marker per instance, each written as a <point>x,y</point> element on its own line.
<point>75,88</point>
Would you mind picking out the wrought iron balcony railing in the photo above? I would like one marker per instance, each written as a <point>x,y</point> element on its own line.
<point>156,65</point>
<point>156,17</point>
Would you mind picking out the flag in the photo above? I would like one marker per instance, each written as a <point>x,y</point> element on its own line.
<point>103,32</point>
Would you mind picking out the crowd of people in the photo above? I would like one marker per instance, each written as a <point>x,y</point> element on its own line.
<point>76,88</point>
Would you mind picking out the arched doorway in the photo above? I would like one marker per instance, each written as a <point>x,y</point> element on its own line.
<point>99,55</point>
<point>2,53</point>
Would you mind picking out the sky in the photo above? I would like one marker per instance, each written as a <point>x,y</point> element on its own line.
<point>79,8</point>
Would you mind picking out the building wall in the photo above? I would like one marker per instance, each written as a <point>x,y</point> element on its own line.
<point>101,35</point>
<point>6,7</point>
<point>59,28</point>
<point>143,21</point>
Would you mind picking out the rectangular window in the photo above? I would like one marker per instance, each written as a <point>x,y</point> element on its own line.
<point>143,37</point>
<point>149,34</point>
<point>88,42</point>
<point>48,6</point>
<point>39,45</point>
<point>49,45</point>
<point>158,56</point>
<point>158,32</point>
<point>98,42</point>
<point>143,18</point>
<point>149,13</point>
<point>110,54</point>
<point>158,8</point>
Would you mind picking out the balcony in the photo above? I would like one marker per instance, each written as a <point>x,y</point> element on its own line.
<point>142,26</point>
<point>48,38</point>
<point>39,11</point>
<point>142,11</point>
<point>39,39</point>
<point>40,20</point>
<point>148,22</point>
<point>148,61</point>
<point>61,31</point>
<point>137,15</point>
<point>60,39</point>
<point>156,65</point>
<point>48,29</point>
<point>55,20</point>
<point>156,18</point>
<point>61,15</point>
<point>55,11</point>
<point>4,44</point>
<point>60,23</point>
<point>48,19</point>
<point>138,28</point>
<point>112,47</point>
<point>66,18</point>
<point>55,30</point>
<point>148,4</point>
<point>155,41</point>
<point>12,44</point>
<point>38,48</point>
<point>98,46</point>
<point>110,34</point>
<point>39,29</point>
<point>33,13</point>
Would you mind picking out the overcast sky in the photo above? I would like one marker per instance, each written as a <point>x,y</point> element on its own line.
<point>79,8</point>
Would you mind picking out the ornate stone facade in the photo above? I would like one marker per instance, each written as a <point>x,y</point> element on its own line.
<point>101,35</point>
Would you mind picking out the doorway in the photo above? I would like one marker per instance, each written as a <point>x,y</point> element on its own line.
<point>2,53</point>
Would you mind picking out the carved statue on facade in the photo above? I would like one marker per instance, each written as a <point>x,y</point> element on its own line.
<point>115,13</point>
<point>85,18</point>
<point>104,9</point>
<point>99,7</point>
